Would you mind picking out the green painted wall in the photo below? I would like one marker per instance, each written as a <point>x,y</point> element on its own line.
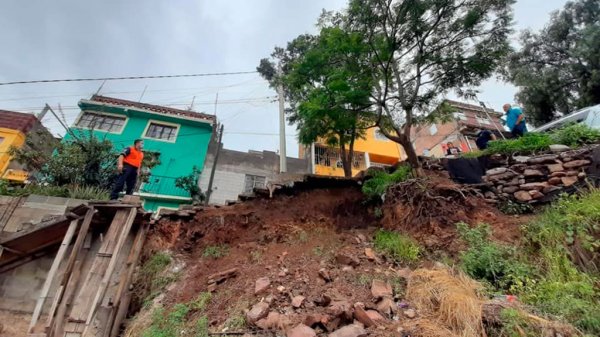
<point>177,158</point>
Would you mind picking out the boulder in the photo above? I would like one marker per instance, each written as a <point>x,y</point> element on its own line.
<point>387,306</point>
<point>521,159</point>
<point>551,189</point>
<point>258,311</point>
<point>313,320</point>
<point>510,189</point>
<point>568,181</point>
<point>380,289</point>
<point>297,301</point>
<point>512,182</point>
<point>501,176</point>
<point>301,330</point>
<point>548,158</point>
<point>557,148</point>
<point>554,181</point>
<point>495,171</point>
<point>370,254</point>
<point>533,186</point>
<point>347,259</point>
<point>275,321</point>
<point>555,168</point>
<point>535,194</point>
<point>361,315</point>
<point>375,316</point>
<point>341,309</point>
<point>522,196</point>
<point>261,285</point>
<point>529,173</point>
<point>576,163</point>
<point>352,330</point>
<point>572,173</point>
<point>558,174</point>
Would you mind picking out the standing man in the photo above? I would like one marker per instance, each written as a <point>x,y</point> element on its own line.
<point>129,166</point>
<point>483,138</point>
<point>515,120</point>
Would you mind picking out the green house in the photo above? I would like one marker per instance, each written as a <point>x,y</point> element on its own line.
<point>177,138</point>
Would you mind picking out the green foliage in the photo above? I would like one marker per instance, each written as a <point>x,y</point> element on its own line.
<point>76,192</point>
<point>201,327</point>
<point>494,263</point>
<point>557,68</point>
<point>515,324</point>
<point>378,212</point>
<point>377,186</point>
<point>236,322</point>
<point>200,303</point>
<point>89,193</point>
<point>512,208</point>
<point>575,135</point>
<point>152,279</point>
<point>216,252</point>
<point>190,184</point>
<point>167,324</point>
<point>396,246</point>
<point>530,143</point>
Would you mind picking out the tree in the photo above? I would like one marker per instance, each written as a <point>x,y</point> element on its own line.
<point>424,48</point>
<point>558,68</point>
<point>190,184</point>
<point>328,85</point>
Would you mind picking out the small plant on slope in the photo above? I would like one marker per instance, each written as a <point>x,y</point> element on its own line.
<point>377,186</point>
<point>398,247</point>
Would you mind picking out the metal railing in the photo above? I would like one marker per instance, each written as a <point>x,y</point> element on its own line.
<point>163,186</point>
<point>327,156</point>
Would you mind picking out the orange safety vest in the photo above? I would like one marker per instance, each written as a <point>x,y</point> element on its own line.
<point>134,158</point>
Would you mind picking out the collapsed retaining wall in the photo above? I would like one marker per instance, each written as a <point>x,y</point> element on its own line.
<point>532,178</point>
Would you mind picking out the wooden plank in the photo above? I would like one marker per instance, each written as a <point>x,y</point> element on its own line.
<point>83,230</point>
<point>111,266</point>
<point>123,295</point>
<point>53,269</point>
<point>102,262</point>
<point>56,323</point>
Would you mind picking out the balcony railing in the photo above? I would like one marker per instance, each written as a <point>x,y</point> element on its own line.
<point>327,156</point>
<point>163,186</point>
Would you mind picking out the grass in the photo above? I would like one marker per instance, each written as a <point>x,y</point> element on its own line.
<point>75,192</point>
<point>375,187</point>
<point>255,256</point>
<point>216,252</point>
<point>576,135</point>
<point>398,247</point>
<point>152,279</point>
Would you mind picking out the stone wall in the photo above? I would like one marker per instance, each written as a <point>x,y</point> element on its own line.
<point>532,178</point>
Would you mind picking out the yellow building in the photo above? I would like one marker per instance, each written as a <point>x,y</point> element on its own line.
<point>15,128</point>
<point>375,150</point>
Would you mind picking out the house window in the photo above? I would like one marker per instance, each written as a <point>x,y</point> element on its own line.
<point>460,115</point>
<point>380,136</point>
<point>482,120</point>
<point>96,121</point>
<point>433,129</point>
<point>161,131</point>
<point>253,182</point>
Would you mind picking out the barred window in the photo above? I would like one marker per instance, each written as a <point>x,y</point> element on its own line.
<point>253,182</point>
<point>161,131</point>
<point>97,121</point>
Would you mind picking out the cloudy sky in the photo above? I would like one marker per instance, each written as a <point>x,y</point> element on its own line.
<point>111,38</point>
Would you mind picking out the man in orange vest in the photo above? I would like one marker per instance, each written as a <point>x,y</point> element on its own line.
<point>129,166</point>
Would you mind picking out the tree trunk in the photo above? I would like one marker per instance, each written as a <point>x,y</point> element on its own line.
<point>346,163</point>
<point>413,159</point>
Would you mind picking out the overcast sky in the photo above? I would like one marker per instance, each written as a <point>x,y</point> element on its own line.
<point>77,38</point>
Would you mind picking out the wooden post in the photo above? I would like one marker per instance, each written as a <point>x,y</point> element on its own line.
<point>53,269</point>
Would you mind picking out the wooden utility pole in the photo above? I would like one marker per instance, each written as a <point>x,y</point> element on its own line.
<point>214,167</point>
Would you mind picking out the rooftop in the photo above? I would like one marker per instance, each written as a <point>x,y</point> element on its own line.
<point>153,108</point>
<point>17,120</point>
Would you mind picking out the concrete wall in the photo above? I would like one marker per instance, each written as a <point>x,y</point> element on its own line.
<point>233,166</point>
<point>20,287</point>
<point>36,208</point>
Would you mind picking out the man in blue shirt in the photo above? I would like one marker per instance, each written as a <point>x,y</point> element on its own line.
<point>515,120</point>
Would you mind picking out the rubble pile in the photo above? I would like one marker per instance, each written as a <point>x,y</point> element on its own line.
<point>530,179</point>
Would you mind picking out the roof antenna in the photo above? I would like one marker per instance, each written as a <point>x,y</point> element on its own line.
<point>191,107</point>
<point>100,88</point>
<point>143,92</point>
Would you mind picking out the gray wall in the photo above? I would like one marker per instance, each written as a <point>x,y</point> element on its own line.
<point>33,210</point>
<point>233,166</point>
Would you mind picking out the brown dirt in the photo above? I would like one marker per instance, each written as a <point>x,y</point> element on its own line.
<point>14,324</point>
<point>302,234</point>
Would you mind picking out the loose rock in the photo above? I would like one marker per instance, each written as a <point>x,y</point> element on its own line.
<point>523,196</point>
<point>361,315</point>
<point>375,316</point>
<point>387,306</point>
<point>556,148</point>
<point>554,181</point>
<point>301,330</point>
<point>549,158</point>
<point>352,330</point>
<point>535,194</point>
<point>381,289</point>
<point>261,285</point>
<point>568,181</point>
<point>258,311</point>
<point>532,173</point>
<point>410,313</point>
<point>346,259</point>
<point>576,163</point>
<point>297,301</point>
<point>370,254</point>
<point>555,168</point>
<point>325,275</point>
<point>533,186</point>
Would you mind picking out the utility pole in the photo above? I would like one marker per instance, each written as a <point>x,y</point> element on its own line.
<point>43,113</point>
<point>282,155</point>
<point>214,167</point>
<point>216,102</point>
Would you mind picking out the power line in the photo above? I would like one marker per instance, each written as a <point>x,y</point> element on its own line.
<point>128,77</point>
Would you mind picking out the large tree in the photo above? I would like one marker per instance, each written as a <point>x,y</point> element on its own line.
<point>328,85</point>
<point>557,69</point>
<point>424,48</point>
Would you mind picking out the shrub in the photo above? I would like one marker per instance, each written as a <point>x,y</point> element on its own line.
<point>89,193</point>
<point>511,208</point>
<point>379,183</point>
<point>529,143</point>
<point>400,248</point>
<point>576,135</point>
<point>216,252</point>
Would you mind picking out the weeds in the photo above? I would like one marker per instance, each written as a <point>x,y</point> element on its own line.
<point>202,327</point>
<point>318,251</point>
<point>152,279</point>
<point>89,193</point>
<point>398,247</point>
<point>216,252</point>
<point>235,322</point>
<point>530,143</point>
<point>576,135</point>
<point>201,301</point>
<point>378,213</point>
<point>303,237</point>
<point>375,187</point>
<point>255,256</point>
<point>513,208</point>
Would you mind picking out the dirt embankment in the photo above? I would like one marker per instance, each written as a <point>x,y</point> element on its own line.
<point>309,258</point>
